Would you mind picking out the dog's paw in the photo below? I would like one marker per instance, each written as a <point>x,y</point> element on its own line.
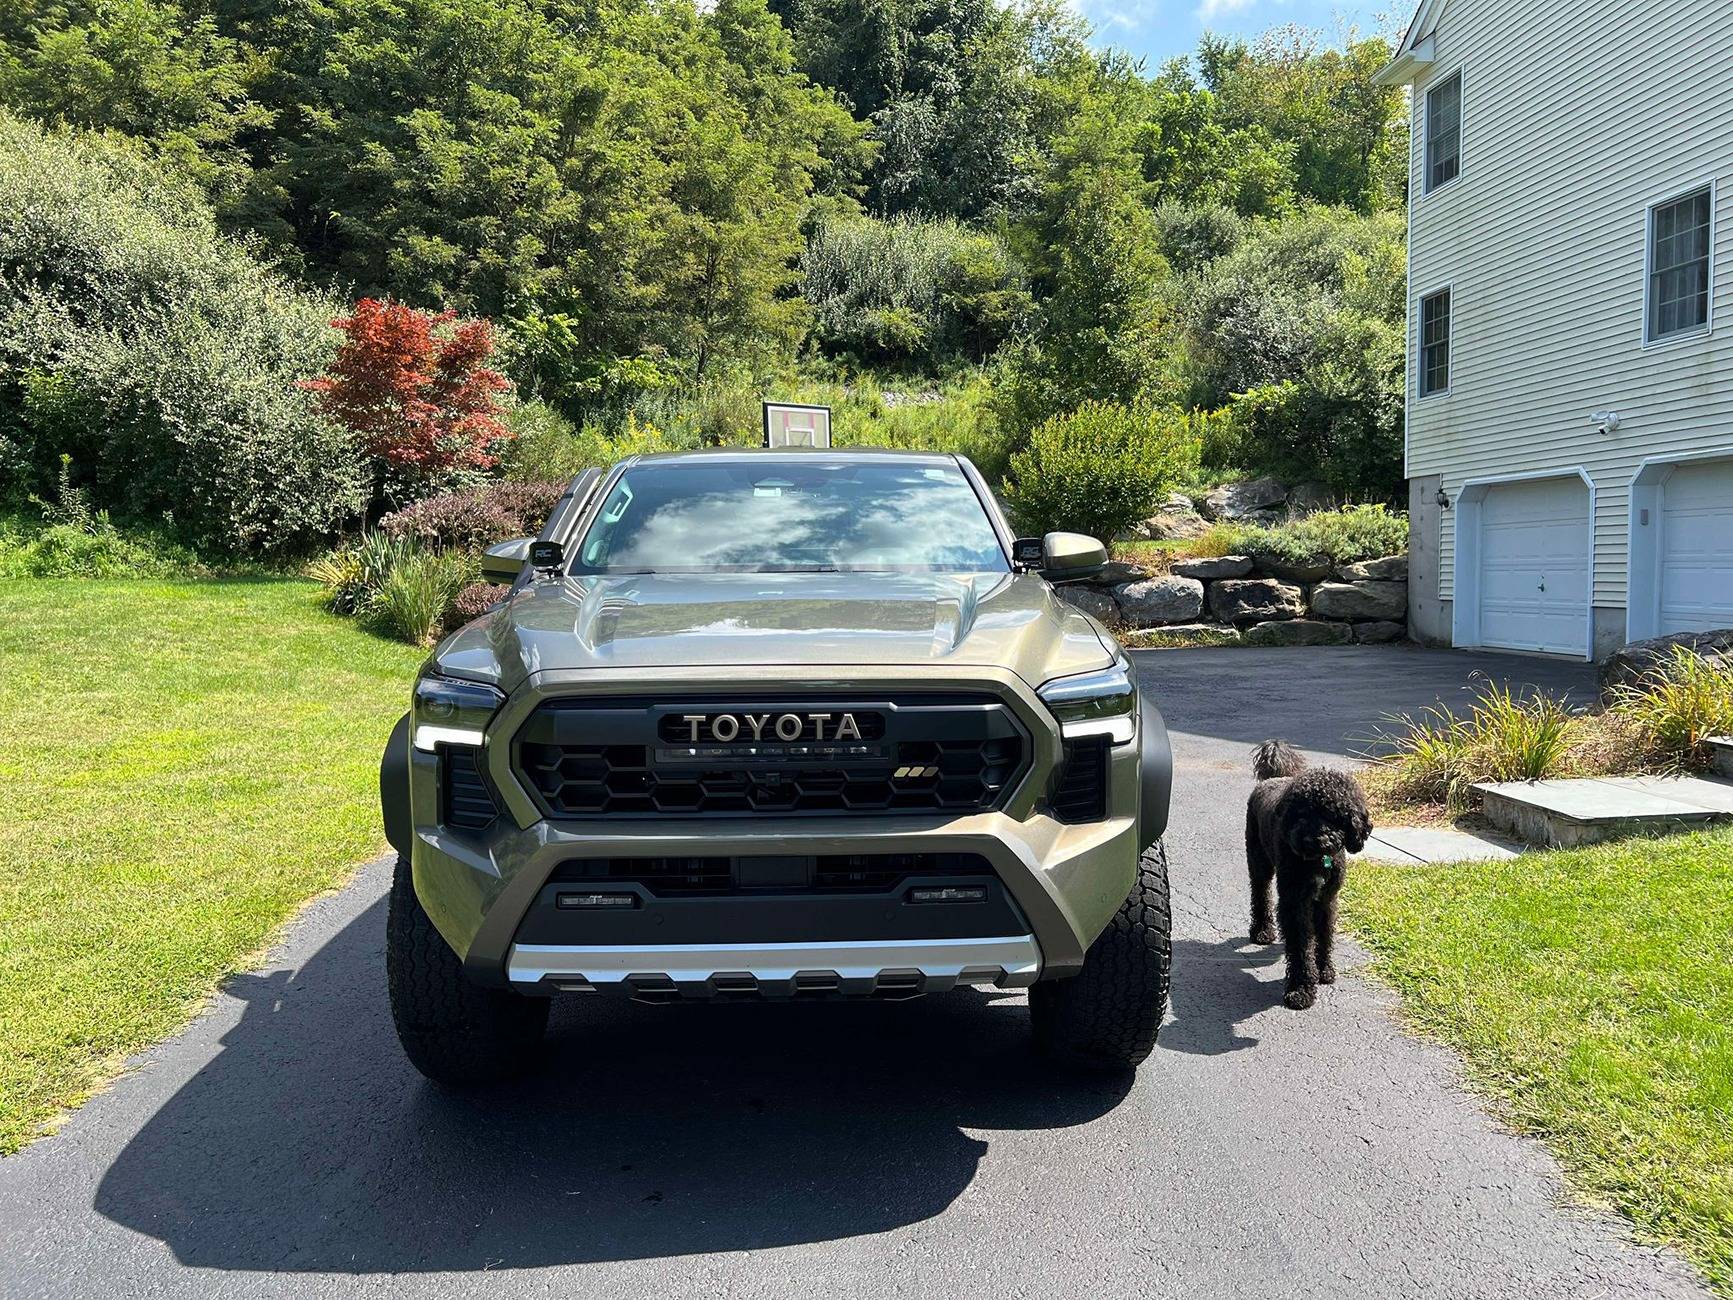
<point>1300,999</point>
<point>1264,935</point>
<point>1326,974</point>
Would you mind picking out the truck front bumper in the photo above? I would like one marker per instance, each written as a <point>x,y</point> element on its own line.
<point>1055,888</point>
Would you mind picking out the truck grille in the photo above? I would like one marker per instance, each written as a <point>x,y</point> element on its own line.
<point>915,754</point>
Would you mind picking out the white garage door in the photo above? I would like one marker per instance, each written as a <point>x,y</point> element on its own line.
<point>1696,544</point>
<point>1534,566</point>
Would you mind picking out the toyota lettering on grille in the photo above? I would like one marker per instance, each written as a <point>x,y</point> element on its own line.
<point>726,728</point>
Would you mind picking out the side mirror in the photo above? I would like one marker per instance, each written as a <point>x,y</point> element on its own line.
<point>1071,555</point>
<point>503,561</point>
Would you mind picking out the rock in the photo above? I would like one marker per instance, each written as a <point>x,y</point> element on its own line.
<point>1309,498</point>
<point>1254,600</point>
<point>1213,567</point>
<point>1177,518</point>
<point>1298,631</point>
<point>1115,572</point>
<point>1255,499</point>
<point>1157,601</point>
<point>1392,568</point>
<point>1379,632</point>
<point>1302,571</point>
<point>1361,600</point>
<point>1627,665</point>
<point>1189,634</point>
<point>1091,600</point>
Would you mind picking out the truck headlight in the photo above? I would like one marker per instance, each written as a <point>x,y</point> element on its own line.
<point>451,712</point>
<point>1101,703</point>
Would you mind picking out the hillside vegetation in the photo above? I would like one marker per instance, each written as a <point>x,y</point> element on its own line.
<point>954,219</point>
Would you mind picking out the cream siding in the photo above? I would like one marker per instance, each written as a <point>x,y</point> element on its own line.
<point>1576,117</point>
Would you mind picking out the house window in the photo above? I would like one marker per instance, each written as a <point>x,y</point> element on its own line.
<point>1435,343</point>
<point>1679,266</point>
<point>1443,133</point>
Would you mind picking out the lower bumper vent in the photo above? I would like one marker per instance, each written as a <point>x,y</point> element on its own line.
<point>1080,790</point>
<point>466,802</point>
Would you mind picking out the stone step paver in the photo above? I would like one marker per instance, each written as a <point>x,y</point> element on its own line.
<point>1721,755</point>
<point>1588,810</point>
<point>1409,845</point>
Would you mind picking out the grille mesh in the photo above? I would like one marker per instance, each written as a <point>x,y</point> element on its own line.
<point>581,768</point>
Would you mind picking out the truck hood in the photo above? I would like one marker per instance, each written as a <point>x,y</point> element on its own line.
<point>728,621</point>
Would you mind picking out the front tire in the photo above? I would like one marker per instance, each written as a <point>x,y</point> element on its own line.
<point>1106,1018</point>
<point>454,1031</point>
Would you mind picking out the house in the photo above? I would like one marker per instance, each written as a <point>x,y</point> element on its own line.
<point>1570,321</point>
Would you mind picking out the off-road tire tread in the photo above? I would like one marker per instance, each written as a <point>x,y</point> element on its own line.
<point>1107,1017</point>
<point>454,1031</point>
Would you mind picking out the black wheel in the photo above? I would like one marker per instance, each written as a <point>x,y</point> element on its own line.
<point>1107,1017</point>
<point>453,1031</point>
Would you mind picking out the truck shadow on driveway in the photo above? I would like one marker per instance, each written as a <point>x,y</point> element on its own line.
<point>308,1143</point>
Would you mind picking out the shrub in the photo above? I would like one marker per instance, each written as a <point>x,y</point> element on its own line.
<point>461,521</point>
<point>468,521</point>
<point>161,356</point>
<point>527,503</point>
<point>1344,536</point>
<point>412,600</point>
<point>472,602</point>
<point>1299,328</point>
<point>353,575</point>
<point>1101,468</point>
<point>1677,706</point>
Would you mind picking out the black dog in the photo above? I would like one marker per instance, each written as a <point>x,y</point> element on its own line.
<point>1299,823</point>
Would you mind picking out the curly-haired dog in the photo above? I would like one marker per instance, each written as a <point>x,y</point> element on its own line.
<point>1299,824</point>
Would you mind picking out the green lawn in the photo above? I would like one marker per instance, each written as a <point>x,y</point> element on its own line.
<point>185,764</point>
<point>1591,994</point>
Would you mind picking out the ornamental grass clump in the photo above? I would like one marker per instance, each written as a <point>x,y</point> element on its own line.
<point>1438,756</point>
<point>1676,707</point>
<point>412,601</point>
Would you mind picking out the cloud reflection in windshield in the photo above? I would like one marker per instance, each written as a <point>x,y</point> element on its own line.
<point>775,516</point>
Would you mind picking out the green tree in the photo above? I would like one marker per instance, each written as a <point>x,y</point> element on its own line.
<point>1319,102</point>
<point>151,69</point>
<point>1092,245</point>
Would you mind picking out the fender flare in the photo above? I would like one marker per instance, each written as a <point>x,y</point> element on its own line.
<point>394,788</point>
<point>1154,773</point>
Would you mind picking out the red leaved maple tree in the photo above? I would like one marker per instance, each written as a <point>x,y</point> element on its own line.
<point>419,397</point>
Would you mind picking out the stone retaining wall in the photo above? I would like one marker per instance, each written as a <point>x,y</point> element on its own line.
<point>1254,600</point>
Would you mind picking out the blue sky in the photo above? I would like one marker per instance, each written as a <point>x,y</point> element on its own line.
<point>1160,29</point>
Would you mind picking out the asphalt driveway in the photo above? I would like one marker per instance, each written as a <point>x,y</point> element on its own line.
<point>282,1146</point>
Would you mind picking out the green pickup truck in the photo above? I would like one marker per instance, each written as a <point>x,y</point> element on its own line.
<point>795,724</point>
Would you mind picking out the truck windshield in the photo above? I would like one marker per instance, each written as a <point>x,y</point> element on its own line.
<point>778,516</point>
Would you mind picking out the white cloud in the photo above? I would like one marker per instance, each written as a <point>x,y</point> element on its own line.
<point>1109,14</point>
<point>1216,8</point>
